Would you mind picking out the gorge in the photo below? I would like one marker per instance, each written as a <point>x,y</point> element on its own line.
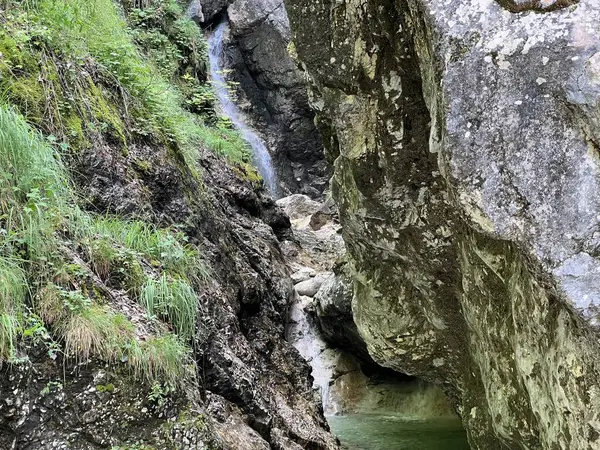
<point>299,224</point>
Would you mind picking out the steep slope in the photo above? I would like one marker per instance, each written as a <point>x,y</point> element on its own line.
<point>466,173</point>
<point>143,291</point>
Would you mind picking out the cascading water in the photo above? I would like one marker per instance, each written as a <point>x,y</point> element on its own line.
<point>262,158</point>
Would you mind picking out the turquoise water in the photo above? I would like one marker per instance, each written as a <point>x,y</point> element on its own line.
<point>374,432</point>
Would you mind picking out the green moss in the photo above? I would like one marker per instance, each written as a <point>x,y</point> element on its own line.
<point>291,49</point>
<point>142,165</point>
<point>189,421</point>
<point>134,446</point>
<point>28,94</point>
<point>14,53</point>
<point>75,133</point>
<point>105,387</point>
<point>105,113</point>
<point>134,275</point>
<point>250,173</point>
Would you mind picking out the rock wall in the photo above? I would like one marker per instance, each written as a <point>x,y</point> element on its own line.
<point>255,391</point>
<point>321,327</point>
<point>466,173</point>
<point>272,90</point>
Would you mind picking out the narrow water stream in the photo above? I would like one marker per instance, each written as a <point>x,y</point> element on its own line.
<point>262,158</point>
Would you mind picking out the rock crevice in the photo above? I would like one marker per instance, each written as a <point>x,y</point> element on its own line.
<point>517,6</point>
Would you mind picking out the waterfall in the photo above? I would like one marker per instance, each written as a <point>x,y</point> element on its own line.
<point>306,338</point>
<point>261,156</point>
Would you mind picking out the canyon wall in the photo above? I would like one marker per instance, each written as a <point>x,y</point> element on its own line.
<point>465,138</point>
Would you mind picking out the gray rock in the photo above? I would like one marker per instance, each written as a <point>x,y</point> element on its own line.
<point>195,12</point>
<point>333,312</point>
<point>303,274</point>
<point>465,140</point>
<point>311,286</point>
<point>298,206</point>
<point>319,219</point>
<point>271,82</point>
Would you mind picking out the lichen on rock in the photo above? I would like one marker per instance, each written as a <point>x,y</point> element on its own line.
<point>466,177</point>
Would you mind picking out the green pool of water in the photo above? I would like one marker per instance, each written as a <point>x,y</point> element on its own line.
<point>375,432</point>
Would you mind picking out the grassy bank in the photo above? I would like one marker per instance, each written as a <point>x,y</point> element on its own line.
<point>73,74</point>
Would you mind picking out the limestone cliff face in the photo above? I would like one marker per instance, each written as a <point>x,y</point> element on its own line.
<point>465,138</point>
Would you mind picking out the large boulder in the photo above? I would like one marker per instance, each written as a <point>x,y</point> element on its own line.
<point>333,313</point>
<point>466,136</point>
<point>298,206</point>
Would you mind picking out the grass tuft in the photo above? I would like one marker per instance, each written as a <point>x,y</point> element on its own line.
<point>161,358</point>
<point>164,248</point>
<point>174,300</point>
<point>13,286</point>
<point>9,326</point>
<point>49,304</point>
<point>90,331</point>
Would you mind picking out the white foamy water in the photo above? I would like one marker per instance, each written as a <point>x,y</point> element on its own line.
<point>261,156</point>
<point>306,338</point>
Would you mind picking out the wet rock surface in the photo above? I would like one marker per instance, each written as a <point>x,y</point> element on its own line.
<point>466,175</point>
<point>272,91</point>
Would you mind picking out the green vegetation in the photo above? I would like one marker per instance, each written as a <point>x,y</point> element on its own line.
<point>97,28</point>
<point>172,41</point>
<point>162,247</point>
<point>89,329</point>
<point>172,299</point>
<point>74,69</point>
<point>82,76</point>
<point>35,208</point>
<point>13,287</point>
<point>135,446</point>
<point>163,358</point>
<point>32,190</point>
<point>33,186</point>
<point>105,387</point>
